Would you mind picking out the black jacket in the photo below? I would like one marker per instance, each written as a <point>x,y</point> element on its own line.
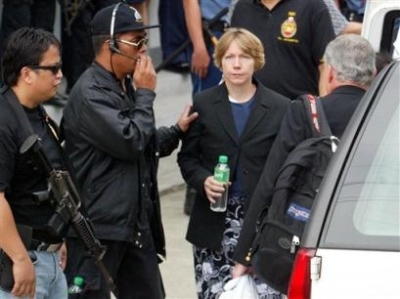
<point>338,106</point>
<point>114,148</point>
<point>214,133</point>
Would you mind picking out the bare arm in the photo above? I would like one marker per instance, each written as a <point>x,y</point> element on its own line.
<point>143,9</point>
<point>11,243</point>
<point>337,3</point>
<point>352,27</point>
<point>322,80</point>
<point>200,58</point>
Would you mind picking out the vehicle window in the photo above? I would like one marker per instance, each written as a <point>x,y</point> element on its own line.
<point>390,31</point>
<point>367,209</point>
<point>377,209</point>
<point>395,51</point>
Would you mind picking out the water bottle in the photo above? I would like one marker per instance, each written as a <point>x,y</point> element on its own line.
<point>221,174</point>
<point>76,289</point>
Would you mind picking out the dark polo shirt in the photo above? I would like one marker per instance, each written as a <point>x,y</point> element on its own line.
<point>294,34</point>
<point>20,176</point>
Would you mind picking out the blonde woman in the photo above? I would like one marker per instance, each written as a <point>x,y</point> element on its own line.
<point>240,119</point>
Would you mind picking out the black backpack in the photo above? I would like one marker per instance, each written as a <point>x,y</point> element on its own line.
<point>281,226</point>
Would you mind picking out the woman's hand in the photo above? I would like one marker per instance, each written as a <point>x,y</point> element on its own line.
<point>240,270</point>
<point>213,189</point>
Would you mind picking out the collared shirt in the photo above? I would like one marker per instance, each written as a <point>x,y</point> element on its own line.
<point>294,35</point>
<point>356,6</point>
<point>210,8</point>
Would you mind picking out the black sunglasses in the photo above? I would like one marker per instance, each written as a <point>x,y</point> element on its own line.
<point>52,68</point>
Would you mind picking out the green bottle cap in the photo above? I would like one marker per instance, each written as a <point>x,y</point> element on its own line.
<point>78,281</point>
<point>223,159</point>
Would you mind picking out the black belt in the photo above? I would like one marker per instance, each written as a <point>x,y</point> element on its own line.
<point>356,17</point>
<point>37,245</point>
<point>219,26</point>
<point>353,16</point>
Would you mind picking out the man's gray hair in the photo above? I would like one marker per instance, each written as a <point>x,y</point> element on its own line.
<point>353,59</point>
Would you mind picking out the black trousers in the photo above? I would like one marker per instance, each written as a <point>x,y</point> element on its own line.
<point>135,271</point>
<point>352,16</point>
<point>173,32</point>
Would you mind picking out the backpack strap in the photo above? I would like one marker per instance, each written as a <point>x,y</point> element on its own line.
<point>316,116</point>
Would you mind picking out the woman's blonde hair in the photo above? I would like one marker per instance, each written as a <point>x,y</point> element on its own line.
<point>247,42</point>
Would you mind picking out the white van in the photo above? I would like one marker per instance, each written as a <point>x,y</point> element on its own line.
<point>351,245</point>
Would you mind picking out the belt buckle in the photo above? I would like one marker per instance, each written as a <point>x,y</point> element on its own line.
<point>49,247</point>
<point>53,247</point>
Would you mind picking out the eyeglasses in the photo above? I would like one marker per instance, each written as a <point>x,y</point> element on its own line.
<point>52,68</point>
<point>138,44</point>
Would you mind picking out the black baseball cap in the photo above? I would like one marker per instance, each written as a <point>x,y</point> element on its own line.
<point>126,19</point>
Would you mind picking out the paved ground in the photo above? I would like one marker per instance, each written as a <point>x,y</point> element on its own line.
<point>177,270</point>
<point>173,93</point>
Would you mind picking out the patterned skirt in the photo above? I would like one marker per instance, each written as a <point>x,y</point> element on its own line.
<point>213,268</point>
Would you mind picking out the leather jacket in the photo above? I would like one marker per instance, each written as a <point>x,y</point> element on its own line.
<point>114,147</point>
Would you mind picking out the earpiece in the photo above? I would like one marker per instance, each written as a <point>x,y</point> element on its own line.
<point>113,45</point>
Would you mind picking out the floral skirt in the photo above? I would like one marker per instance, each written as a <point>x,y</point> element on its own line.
<point>213,268</point>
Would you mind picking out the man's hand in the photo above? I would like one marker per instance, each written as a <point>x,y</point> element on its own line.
<point>186,118</point>
<point>10,241</point>
<point>200,62</point>
<point>145,74</point>
<point>24,278</point>
<point>62,253</point>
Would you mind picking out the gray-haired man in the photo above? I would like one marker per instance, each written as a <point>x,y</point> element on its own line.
<point>349,68</point>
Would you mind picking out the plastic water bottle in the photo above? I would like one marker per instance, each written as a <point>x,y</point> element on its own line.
<point>221,174</point>
<point>76,289</point>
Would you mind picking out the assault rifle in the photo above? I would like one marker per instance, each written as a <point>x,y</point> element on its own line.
<point>71,9</point>
<point>67,203</point>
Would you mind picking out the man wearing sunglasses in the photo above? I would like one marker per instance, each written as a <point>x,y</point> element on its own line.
<point>31,72</point>
<point>114,147</point>
<point>77,51</point>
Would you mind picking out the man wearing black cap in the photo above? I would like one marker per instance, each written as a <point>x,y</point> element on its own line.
<point>77,52</point>
<point>114,147</point>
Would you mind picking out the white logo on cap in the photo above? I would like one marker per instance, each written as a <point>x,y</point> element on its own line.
<point>138,17</point>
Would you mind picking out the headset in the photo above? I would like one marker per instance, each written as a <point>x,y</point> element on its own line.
<point>113,46</point>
